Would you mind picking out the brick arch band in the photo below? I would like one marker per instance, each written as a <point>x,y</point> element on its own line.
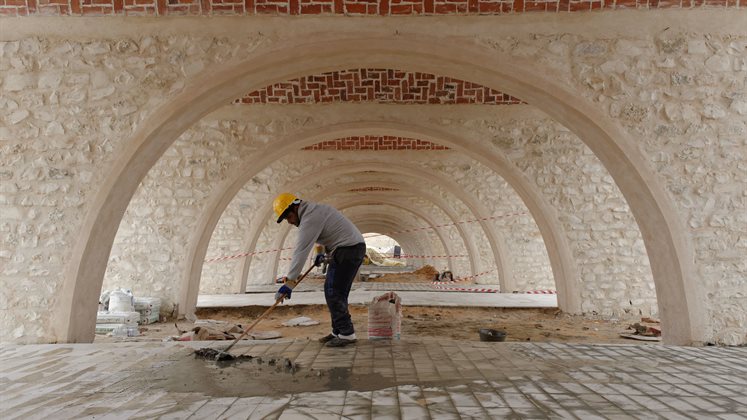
<point>681,304</point>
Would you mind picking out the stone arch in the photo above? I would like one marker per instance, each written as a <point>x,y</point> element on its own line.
<point>558,250</point>
<point>349,203</point>
<point>670,251</point>
<point>495,238</point>
<point>254,234</point>
<point>406,241</point>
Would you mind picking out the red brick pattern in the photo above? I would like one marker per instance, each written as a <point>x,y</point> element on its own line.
<point>334,7</point>
<point>375,143</point>
<point>378,85</point>
<point>370,189</point>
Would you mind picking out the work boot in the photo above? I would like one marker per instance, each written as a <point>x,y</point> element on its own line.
<point>340,342</point>
<point>327,338</point>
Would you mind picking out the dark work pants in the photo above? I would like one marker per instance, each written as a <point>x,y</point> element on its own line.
<point>340,275</point>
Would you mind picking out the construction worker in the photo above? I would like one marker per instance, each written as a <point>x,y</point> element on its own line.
<point>320,223</point>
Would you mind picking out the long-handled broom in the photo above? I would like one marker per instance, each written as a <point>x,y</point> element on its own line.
<point>221,355</point>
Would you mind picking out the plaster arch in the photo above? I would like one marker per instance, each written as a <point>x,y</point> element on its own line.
<point>670,250</point>
<point>384,222</point>
<point>344,204</point>
<point>407,242</point>
<point>411,244</point>
<point>495,238</point>
<point>566,285</point>
<point>467,239</point>
<point>556,244</point>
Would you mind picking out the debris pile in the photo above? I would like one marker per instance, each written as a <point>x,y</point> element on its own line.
<point>643,331</point>
<point>426,270</point>
<point>211,330</point>
<point>376,258</point>
<point>301,321</point>
<point>444,276</point>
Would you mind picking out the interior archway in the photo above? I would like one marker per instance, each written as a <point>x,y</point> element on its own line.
<point>556,245</point>
<point>495,238</point>
<point>670,253</point>
<point>348,203</point>
<point>253,235</point>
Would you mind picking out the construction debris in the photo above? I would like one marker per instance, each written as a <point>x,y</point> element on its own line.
<point>643,332</point>
<point>301,321</point>
<point>376,258</point>
<point>445,275</point>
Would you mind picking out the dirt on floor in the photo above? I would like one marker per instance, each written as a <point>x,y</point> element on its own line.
<point>458,323</point>
<point>545,325</point>
<point>425,274</point>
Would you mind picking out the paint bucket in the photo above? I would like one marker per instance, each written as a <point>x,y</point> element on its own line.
<point>487,334</point>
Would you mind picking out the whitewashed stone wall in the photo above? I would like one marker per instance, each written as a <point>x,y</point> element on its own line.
<point>613,267</point>
<point>683,96</point>
<point>149,249</point>
<point>525,247</point>
<point>69,104</point>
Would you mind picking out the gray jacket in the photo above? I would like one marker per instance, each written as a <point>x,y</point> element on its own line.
<point>323,224</point>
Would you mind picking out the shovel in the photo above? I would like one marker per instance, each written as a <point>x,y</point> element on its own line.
<point>222,355</point>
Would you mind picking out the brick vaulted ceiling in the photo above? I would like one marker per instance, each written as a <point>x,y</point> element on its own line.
<point>332,7</point>
<point>374,143</point>
<point>385,86</point>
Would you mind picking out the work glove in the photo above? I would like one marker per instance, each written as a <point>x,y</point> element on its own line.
<point>283,293</point>
<point>318,260</point>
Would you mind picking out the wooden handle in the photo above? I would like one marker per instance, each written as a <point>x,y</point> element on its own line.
<point>277,302</point>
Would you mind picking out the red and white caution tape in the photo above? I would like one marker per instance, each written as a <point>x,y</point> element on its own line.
<point>245,254</point>
<point>465,289</point>
<point>429,256</point>
<point>542,292</point>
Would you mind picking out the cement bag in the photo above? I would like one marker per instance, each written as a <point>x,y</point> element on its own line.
<point>148,317</point>
<point>117,317</point>
<point>125,330</point>
<point>120,301</point>
<point>385,317</point>
<point>104,301</point>
<point>143,303</point>
<point>119,330</point>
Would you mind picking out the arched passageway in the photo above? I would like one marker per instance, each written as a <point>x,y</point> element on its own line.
<point>495,238</point>
<point>669,250</point>
<point>558,250</point>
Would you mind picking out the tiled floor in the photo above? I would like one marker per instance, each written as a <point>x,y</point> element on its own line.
<point>410,379</point>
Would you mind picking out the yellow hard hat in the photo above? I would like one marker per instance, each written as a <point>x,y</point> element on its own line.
<point>281,204</point>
